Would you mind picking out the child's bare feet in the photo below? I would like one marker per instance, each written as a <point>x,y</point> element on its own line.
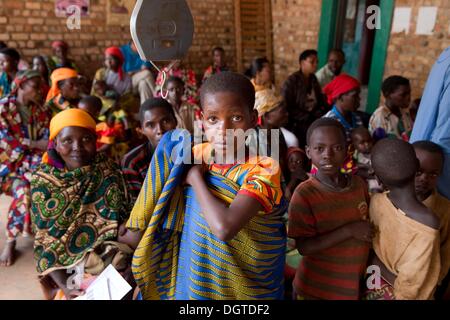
<point>8,254</point>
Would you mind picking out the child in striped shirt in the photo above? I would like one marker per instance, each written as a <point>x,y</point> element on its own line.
<point>328,220</point>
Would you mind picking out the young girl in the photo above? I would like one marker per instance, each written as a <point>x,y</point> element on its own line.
<point>328,220</point>
<point>232,245</point>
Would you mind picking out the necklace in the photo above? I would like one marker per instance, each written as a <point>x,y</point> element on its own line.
<point>337,188</point>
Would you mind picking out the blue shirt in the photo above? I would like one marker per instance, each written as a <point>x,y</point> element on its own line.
<point>133,61</point>
<point>433,119</point>
<point>356,121</point>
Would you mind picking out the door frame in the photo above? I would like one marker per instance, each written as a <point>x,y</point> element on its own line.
<point>327,36</point>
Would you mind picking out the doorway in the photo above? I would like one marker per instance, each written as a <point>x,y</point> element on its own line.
<point>343,26</point>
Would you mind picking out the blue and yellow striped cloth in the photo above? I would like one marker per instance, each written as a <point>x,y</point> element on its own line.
<point>178,256</point>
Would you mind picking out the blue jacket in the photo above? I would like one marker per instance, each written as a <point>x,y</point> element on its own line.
<point>133,61</point>
<point>433,119</point>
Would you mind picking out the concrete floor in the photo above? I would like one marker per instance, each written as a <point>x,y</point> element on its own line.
<point>20,280</point>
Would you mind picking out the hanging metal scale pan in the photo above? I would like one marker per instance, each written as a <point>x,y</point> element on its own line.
<point>162,29</point>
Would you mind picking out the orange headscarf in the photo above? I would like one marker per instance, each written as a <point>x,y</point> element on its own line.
<point>59,75</point>
<point>343,83</point>
<point>68,118</point>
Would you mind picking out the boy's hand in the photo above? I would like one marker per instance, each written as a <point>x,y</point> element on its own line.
<point>362,230</point>
<point>194,173</point>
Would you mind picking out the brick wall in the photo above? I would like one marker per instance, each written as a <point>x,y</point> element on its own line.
<point>31,26</point>
<point>412,55</point>
<point>296,25</point>
<point>295,29</point>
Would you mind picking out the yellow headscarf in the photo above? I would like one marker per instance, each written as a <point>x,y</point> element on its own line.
<point>68,118</point>
<point>59,75</point>
<point>266,100</point>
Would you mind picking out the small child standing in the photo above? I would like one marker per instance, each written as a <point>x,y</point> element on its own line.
<point>363,143</point>
<point>328,218</point>
<point>431,158</point>
<point>407,241</point>
<point>392,119</point>
<point>296,163</point>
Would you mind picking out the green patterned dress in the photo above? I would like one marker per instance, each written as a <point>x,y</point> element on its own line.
<point>75,212</point>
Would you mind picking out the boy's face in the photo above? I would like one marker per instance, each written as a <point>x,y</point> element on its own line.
<point>76,146</point>
<point>430,168</point>
<point>224,111</point>
<point>278,117</point>
<point>363,142</point>
<point>401,97</point>
<point>89,108</point>
<point>155,123</point>
<point>327,150</point>
<point>176,92</point>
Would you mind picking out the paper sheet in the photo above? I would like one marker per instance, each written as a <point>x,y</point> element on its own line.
<point>426,20</point>
<point>109,285</point>
<point>402,18</point>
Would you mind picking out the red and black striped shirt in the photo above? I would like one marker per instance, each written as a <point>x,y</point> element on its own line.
<point>315,209</point>
<point>135,166</point>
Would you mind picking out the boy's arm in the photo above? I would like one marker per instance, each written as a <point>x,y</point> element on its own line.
<point>225,222</point>
<point>302,227</point>
<point>361,230</point>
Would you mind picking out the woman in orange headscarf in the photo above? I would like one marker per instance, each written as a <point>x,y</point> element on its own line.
<point>64,92</point>
<point>79,200</point>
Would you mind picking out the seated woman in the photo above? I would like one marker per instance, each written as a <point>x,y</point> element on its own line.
<point>261,74</point>
<point>9,62</point>
<point>112,73</point>
<point>114,87</point>
<point>23,138</point>
<point>79,199</point>
<point>65,91</point>
<point>60,55</point>
<point>45,66</point>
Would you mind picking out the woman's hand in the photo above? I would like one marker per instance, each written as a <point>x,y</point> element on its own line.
<point>72,293</point>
